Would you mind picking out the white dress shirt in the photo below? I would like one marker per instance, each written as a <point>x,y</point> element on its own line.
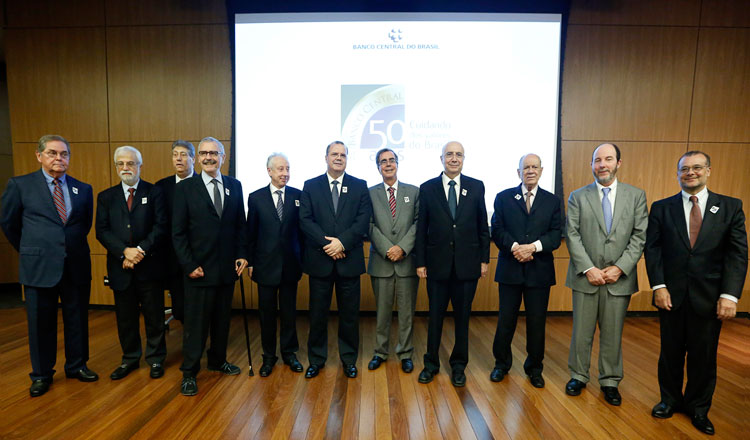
<point>275,196</point>
<point>177,178</point>
<point>126,187</point>
<point>447,187</point>
<point>537,244</point>
<point>395,190</point>
<point>210,186</point>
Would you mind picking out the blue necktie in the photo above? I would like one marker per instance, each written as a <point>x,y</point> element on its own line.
<point>607,208</point>
<point>452,202</point>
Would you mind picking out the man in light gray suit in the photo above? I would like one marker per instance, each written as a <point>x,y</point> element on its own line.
<point>606,234</point>
<point>393,229</point>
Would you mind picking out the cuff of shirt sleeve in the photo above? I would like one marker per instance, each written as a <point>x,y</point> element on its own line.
<point>659,286</point>
<point>729,297</point>
<point>588,269</point>
<point>514,245</point>
<point>538,245</point>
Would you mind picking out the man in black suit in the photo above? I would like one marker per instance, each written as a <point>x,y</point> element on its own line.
<point>46,216</point>
<point>452,251</point>
<point>526,227</point>
<point>275,262</point>
<point>334,215</point>
<point>131,224</point>
<point>209,237</point>
<point>183,159</point>
<point>696,258</point>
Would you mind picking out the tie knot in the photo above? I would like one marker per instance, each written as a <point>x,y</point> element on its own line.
<point>529,194</point>
<point>335,182</point>
<point>391,189</point>
<point>694,199</point>
<point>131,191</point>
<point>215,181</point>
<point>56,182</point>
<point>606,191</point>
<point>278,192</point>
<point>452,183</point>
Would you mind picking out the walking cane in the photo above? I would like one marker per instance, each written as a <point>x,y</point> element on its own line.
<point>244,318</point>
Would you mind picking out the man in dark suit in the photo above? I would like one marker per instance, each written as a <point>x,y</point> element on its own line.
<point>273,239</point>
<point>131,224</point>
<point>183,159</point>
<point>334,215</point>
<point>209,237</point>
<point>452,251</point>
<point>46,216</point>
<point>696,258</point>
<point>526,227</point>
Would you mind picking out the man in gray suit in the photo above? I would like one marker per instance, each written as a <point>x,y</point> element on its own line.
<point>393,228</point>
<point>606,234</point>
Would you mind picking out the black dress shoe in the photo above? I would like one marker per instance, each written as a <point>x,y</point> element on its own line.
<point>662,411</point>
<point>312,371</point>
<point>458,378</point>
<point>189,386</point>
<point>407,365</point>
<point>574,387</point>
<point>226,368</point>
<point>537,381</point>
<point>157,371</point>
<point>375,362</point>
<point>497,374</point>
<point>426,376</point>
<point>84,375</point>
<point>38,387</point>
<point>266,369</point>
<point>122,371</point>
<point>703,424</point>
<point>350,371</point>
<point>612,396</point>
<point>294,364</point>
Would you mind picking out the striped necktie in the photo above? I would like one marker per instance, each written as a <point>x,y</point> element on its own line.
<point>60,201</point>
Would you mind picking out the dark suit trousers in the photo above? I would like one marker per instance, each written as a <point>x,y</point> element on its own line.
<point>535,300</point>
<point>207,311</point>
<point>347,299</point>
<point>286,301</point>
<point>41,312</point>
<point>146,297</point>
<point>176,286</point>
<point>461,294</point>
<point>683,331</point>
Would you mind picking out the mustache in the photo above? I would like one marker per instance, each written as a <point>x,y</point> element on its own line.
<point>209,162</point>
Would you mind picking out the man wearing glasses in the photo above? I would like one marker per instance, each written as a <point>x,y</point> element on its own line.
<point>46,216</point>
<point>209,237</point>
<point>131,223</point>
<point>696,258</point>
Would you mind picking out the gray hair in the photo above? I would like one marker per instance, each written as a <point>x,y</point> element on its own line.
<point>274,156</point>
<point>128,148</point>
<point>328,148</point>
<point>184,144</point>
<point>209,139</point>
<point>50,137</point>
<point>520,162</point>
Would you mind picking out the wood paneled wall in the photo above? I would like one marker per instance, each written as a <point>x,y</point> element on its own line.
<point>656,77</point>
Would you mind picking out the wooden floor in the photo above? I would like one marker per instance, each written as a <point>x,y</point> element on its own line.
<point>383,404</point>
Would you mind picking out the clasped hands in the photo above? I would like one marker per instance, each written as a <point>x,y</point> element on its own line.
<point>132,256</point>
<point>600,277</point>
<point>524,252</point>
<point>239,264</point>
<point>334,249</point>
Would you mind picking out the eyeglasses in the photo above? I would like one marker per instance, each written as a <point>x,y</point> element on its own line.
<point>205,153</point>
<point>129,163</point>
<point>387,161</point>
<point>53,154</point>
<point>695,168</point>
<point>451,154</point>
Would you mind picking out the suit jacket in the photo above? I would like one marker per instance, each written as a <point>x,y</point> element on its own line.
<point>386,231</point>
<point>167,186</point>
<point>512,224</point>
<point>441,241</point>
<point>274,245</point>
<point>349,224</point>
<point>31,223</point>
<point>716,264</point>
<point>144,226</point>
<point>590,245</point>
<point>201,238</point>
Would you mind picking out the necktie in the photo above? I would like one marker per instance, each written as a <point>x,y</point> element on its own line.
<point>131,191</point>
<point>59,201</point>
<point>607,209</point>
<point>452,202</point>
<point>217,197</point>
<point>695,220</point>
<point>529,195</point>
<point>392,201</point>
<point>335,195</point>
<point>279,204</point>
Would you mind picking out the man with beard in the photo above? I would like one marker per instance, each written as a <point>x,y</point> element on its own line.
<point>131,224</point>
<point>209,237</point>
<point>183,159</point>
<point>607,223</point>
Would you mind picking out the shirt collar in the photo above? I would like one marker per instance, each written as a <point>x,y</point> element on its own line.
<point>446,179</point>
<point>126,187</point>
<point>394,186</point>
<point>50,179</point>
<point>702,195</point>
<point>331,179</point>
<point>207,179</point>
<point>177,178</point>
<point>274,189</point>
<point>533,191</point>
<point>613,186</point>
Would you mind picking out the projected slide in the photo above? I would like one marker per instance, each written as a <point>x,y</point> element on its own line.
<point>404,81</point>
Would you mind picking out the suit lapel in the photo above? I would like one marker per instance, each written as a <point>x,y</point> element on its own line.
<point>343,195</point>
<point>592,196</point>
<point>203,193</point>
<point>621,198</point>
<point>440,190</point>
<point>521,201</point>
<point>325,188</point>
<point>43,189</point>
<point>709,218</point>
<point>140,193</point>
<point>399,204</point>
<point>677,211</point>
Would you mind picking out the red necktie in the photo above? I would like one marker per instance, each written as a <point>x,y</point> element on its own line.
<point>130,198</point>
<point>392,201</point>
<point>695,220</point>
<point>60,201</point>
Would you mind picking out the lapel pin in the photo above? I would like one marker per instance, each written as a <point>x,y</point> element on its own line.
<point>518,196</point>
<point>296,202</point>
<point>226,191</point>
<point>344,189</point>
<point>144,200</point>
<point>714,209</point>
<point>406,199</point>
<point>463,192</point>
<point>75,190</point>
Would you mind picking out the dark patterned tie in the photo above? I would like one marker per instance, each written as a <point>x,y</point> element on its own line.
<point>392,201</point>
<point>60,201</point>
<point>452,199</point>
<point>279,205</point>
<point>695,220</point>
<point>217,197</point>
<point>130,198</point>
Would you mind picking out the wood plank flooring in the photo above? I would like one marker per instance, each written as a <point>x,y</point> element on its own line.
<point>381,404</point>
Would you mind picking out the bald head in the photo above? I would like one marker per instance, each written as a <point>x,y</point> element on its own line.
<point>453,159</point>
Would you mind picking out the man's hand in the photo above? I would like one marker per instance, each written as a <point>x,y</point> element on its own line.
<point>595,277</point>
<point>133,254</point>
<point>334,247</point>
<point>339,256</point>
<point>395,253</point>
<point>524,252</point>
<point>422,272</point>
<point>484,268</point>
<point>726,309</point>
<point>127,264</point>
<point>662,299</point>
<point>197,273</point>
<point>240,264</point>
<point>250,271</point>
<point>611,274</point>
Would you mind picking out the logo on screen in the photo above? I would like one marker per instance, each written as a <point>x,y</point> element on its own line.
<point>395,35</point>
<point>372,116</point>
